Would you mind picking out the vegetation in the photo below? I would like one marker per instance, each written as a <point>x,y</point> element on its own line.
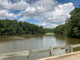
<point>49,30</point>
<point>72,26</point>
<point>59,29</point>
<point>13,27</point>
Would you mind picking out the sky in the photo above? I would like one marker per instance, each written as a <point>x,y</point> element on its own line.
<point>46,13</point>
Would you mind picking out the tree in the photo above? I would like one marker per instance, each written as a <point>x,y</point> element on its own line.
<point>72,25</point>
<point>13,27</point>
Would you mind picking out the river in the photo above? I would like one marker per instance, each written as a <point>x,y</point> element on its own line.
<point>10,44</point>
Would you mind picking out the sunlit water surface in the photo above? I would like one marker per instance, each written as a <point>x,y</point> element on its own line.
<point>10,44</point>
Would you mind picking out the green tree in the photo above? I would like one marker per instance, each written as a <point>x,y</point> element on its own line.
<point>13,27</point>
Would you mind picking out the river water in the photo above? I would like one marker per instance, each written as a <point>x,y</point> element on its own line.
<point>10,44</point>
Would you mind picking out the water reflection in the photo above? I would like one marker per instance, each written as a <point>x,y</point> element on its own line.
<point>67,40</point>
<point>30,42</point>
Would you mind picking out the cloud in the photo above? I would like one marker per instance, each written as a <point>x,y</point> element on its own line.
<point>59,14</point>
<point>39,8</point>
<point>4,4</point>
<point>47,25</point>
<point>23,18</point>
<point>21,5</point>
<point>4,10</point>
<point>6,14</point>
<point>50,13</point>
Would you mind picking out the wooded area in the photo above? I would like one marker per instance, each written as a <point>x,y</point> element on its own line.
<point>71,27</point>
<point>13,27</point>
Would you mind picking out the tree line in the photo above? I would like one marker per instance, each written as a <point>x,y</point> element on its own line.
<point>71,27</point>
<point>13,27</point>
<point>49,30</point>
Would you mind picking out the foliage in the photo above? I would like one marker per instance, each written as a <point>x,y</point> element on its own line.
<point>49,30</point>
<point>13,27</point>
<point>72,25</point>
<point>59,29</point>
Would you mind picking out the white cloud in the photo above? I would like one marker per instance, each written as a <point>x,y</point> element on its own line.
<point>23,18</point>
<point>39,8</point>
<point>19,5</point>
<point>6,14</point>
<point>4,4</point>
<point>49,12</point>
<point>47,25</point>
<point>60,13</point>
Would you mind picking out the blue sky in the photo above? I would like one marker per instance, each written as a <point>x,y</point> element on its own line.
<point>46,13</point>
<point>75,2</point>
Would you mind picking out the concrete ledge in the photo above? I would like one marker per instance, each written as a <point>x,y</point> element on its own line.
<point>61,56</point>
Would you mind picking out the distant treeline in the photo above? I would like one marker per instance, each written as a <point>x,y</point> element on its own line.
<point>49,30</point>
<point>71,27</point>
<point>13,27</point>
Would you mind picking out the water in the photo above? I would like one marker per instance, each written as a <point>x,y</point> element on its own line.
<point>31,42</point>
